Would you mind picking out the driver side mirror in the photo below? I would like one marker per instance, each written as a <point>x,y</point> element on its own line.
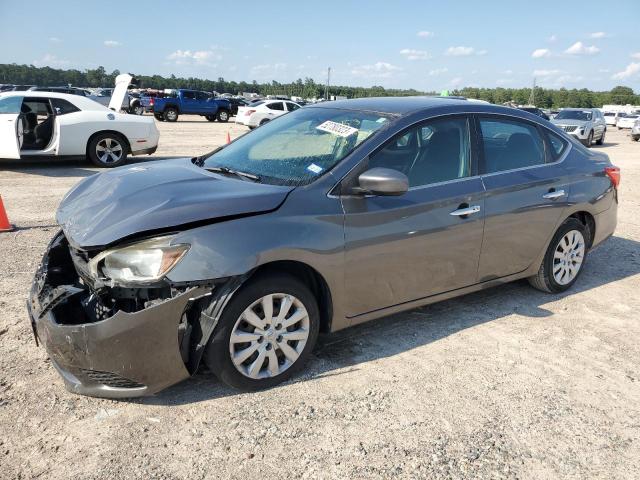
<point>382,181</point>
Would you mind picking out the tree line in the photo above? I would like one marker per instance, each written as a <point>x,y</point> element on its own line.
<point>308,88</point>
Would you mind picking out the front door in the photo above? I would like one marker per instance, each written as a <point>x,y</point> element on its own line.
<point>11,128</point>
<point>527,192</point>
<point>424,242</point>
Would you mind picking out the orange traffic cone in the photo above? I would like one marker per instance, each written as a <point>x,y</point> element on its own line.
<point>228,137</point>
<point>5,226</point>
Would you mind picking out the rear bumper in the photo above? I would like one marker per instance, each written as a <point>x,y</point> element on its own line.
<point>122,356</point>
<point>145,151</point>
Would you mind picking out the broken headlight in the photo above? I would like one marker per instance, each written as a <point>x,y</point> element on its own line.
<point>137,264</point>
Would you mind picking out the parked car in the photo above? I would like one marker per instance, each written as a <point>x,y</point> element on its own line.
<point>535,111</point>
<point>611,118</point>
<point>260,112</point>
<point>627,121</point>
<point>635,130</point>
<point>50,124</point>
<point>68,90</point>
<point>103,97</point>
<point>322,219</point>
<point>192,102</point>
<point>237,102</point>
<point>585,124</point>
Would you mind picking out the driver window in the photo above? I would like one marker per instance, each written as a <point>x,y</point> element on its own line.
<point>433,152</point>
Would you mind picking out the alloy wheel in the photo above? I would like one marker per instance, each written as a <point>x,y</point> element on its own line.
<point>109,150</point>
<point>568,257</point>
<point>269,336</point>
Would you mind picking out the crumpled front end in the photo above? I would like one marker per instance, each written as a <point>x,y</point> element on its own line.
<point>111,342</point>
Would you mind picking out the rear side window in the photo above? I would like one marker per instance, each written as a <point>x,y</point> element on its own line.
<point>557,145</point>
<point>292,106</point>
<point>510,144</point>
<point>276,106</point>
<point>10,104</point>
<point>190,95</point>
<point>202,96</point>
<point>62,107</point>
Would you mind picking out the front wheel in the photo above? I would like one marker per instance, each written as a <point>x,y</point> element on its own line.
<point>601,139</point>
<point>137,109</point>
<point>223,116</point>
<point>107,150</point>
<point>564,258</point>
<point>265,334</point>
<point>589,141</point>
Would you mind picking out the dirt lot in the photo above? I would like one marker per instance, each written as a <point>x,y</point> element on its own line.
<point>508,383</point>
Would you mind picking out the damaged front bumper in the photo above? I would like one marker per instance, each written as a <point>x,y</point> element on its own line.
<point>109,352</point>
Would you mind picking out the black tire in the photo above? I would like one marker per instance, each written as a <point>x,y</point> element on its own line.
<point>218,356</point>
<point>223,115</point>
<point>211,118</point>
<point>159,116</point>
<point>544,279</point>
<point>589,141</point>
<point>251,128</point>
<point>263,121</point>
<point>108,140</point>
<point>171,114</point>
<point>137,109</point>
<point>635,138</point>
<point>600,141</point>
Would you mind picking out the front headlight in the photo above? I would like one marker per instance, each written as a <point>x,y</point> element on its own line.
<point>137,264</point>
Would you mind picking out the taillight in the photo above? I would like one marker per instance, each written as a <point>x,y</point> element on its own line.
<point>614,174</point>
<point>151,102</point>
<point>249,112</point>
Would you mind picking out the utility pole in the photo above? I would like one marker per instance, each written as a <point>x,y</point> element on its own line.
<point>326,88</point>
<point>532,97</point>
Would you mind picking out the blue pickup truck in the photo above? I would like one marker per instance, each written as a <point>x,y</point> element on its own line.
<point>191,102</point>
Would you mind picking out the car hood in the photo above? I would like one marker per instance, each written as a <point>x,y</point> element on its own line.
<point>562,121</point>
<point>154,196</point>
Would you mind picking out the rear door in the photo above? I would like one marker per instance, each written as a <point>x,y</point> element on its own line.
<point>206,104</point>
<point>189,103</point>
<point>10,127</point>
<point>399,249</point>
<point>527,192</point>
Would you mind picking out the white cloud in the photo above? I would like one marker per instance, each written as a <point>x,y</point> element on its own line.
<point>268,70</point>
<point>504,81</point>
<point>376,70</point>
<point>635,55</point>
<point>112,43</point>
<point>55,40</point>
<point>545,73</point>
<point>541,53</point>
<point>425,34</point>
<point>604,70</point>
<point>50,60</point>
<point>580,48</point>
<point>197,57</point>
<point>463,51</point>
<point>598,35</point>
<point>411,54</point>
<point>508,72</point>
<point>456,82</point>
<point>552,38</point>
<point>438,71</point>
<point>632,70</point>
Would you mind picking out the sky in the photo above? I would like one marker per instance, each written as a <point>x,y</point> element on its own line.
<point>426,45</point>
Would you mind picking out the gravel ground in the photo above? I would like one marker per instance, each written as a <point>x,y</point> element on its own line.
<point>506,383</point>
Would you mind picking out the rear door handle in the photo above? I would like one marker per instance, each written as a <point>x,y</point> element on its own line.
<point>555,194</point>
<point>463,212</point>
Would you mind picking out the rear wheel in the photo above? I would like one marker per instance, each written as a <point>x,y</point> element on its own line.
<point>137,109</point>
<point>171,114</point>
<point>159,116</point>
<point>263,121</point>
<point>265,334</point>
<point>635,138</point>
<point>211,118</point>
<point>564,258</point>
<point>223,116</point>
<point>108,150</point>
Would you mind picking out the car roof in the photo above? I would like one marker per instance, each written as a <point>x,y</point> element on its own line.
<point>83,103</point>
<point>401,106</point>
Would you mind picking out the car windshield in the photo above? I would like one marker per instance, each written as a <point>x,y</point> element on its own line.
<point>609,114</point>
<point>583,115</point>
<point>298,147</point>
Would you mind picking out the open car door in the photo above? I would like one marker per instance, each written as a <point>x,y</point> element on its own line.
<point>11,134</point>
<point>120,91</point>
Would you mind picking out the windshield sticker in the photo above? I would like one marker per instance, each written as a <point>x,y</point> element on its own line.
<point>314,168</point>
<point>337,128</point>
<point>381,120</point>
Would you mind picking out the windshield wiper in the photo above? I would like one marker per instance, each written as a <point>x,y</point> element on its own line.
<point>237,173</point>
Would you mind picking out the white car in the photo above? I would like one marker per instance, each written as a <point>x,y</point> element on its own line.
<point>48,124</point>
<point>260,112</point>
<point>610,117</point>
<point>627,121</point>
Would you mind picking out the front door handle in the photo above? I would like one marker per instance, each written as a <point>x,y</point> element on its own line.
<point>554,194</point>
<point>463,212</point>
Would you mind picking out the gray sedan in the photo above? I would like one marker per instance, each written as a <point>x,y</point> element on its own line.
<point>324,218</point>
